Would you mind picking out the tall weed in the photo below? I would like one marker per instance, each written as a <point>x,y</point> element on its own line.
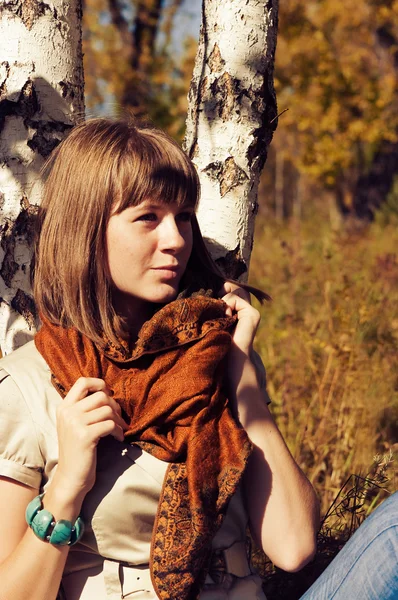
<point>329,341</point>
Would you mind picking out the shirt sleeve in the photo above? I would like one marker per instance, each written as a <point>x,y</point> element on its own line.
<point>20,455</point>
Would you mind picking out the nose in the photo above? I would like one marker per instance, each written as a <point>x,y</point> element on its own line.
<point>172,238</point>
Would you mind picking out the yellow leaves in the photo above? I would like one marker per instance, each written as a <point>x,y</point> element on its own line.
<point>329,180</point>
<point>357,129</point>
<point>384,13</point>
<point>337,80</point>
<point>304,124</point>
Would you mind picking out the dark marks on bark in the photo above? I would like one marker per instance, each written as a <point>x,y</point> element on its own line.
<point>3,84</point>
<point>232,264</point>
<point>214,170</point>
<point>26,105</point>
<point>218,98</point>
<point>25,306</point>
<point>24,226</point>
<point>264,101</point>
<point>232,176</point>
<point>224,90</point>
<point>47,136</point>
<point>215,61</point>
<point>9,266</point>
<point>29,11</point>
<point>28,100</point>
<point>203,89</point>
<point>227,173</point>
<point>194,150</point>
<point>65,92</point>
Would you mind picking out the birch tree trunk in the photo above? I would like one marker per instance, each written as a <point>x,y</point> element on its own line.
<point>41,96</point>
<point>231,118</point>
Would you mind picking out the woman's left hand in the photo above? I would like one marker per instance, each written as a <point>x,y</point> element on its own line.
<point>238,302</point>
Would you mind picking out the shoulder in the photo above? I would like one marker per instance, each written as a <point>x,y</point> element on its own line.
<point>30,373</point>
<point>21,456</point>
<point>26,390</point>
<point>25,360</point>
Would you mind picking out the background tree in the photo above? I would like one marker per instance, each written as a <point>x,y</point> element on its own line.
<point>41,96</point>
<point>336,72</point>
<point>130,62</point>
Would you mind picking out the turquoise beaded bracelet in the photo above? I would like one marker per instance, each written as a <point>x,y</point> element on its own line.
<point>44,526</point>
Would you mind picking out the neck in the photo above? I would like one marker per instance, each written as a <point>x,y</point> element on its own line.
<point>133,312</point>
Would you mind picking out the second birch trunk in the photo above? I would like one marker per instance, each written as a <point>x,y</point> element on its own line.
<point>231,119</point>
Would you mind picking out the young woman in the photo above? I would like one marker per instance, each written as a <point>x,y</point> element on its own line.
<point>135,438</point>
<point>117,411</point>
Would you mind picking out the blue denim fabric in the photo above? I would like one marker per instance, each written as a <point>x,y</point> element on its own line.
<point>367,567</point>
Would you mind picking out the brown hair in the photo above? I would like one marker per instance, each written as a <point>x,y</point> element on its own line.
<point>103,163</point>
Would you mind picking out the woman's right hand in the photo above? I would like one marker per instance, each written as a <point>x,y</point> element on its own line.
<point>87,413</point>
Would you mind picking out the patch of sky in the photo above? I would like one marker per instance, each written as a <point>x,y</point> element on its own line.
<point>186,24</point>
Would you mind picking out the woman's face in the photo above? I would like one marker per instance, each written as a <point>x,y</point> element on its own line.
<point>148,250</point>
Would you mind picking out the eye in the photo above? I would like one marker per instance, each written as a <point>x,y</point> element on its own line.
<point>147,217</point>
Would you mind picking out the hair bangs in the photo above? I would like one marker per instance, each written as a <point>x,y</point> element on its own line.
<point>157,170</point>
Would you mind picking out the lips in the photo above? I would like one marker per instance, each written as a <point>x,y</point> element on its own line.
<point>168,271</point>
<point>174,268</point>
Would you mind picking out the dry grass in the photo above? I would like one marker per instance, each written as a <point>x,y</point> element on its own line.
<point>329,342</point>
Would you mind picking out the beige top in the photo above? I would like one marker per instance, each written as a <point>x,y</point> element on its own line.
<point>111,560</point>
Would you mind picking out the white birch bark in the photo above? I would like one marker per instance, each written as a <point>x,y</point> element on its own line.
<point>231,118</point>
<point>41,96</point>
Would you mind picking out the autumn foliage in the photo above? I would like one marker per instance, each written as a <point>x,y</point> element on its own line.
<point>336,73</point>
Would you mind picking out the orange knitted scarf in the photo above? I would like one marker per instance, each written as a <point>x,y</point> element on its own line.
<point>171,390</point>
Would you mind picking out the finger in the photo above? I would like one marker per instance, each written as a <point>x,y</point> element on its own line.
<point>83,387</point>
<point>104,413</point>
<point>228,312</point>
<point>235,302</point>
<point>98,400</point>
<point>244,311</point>
<point>226,288</point>
<point>104,428</point>
<point>242,294</point>
<point>233,288</point>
